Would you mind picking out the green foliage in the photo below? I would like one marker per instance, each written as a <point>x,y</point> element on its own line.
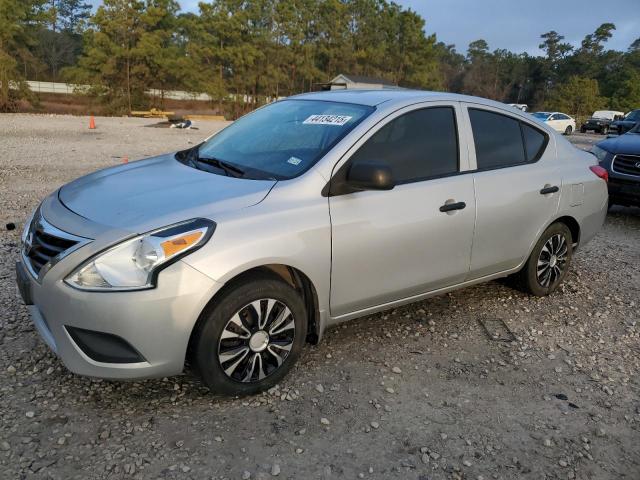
<point>17,21</point>
<point>250,51</point>
<point>247,52</point>
<point>563,79</point>
<point>129,48</point>
<point>68,15</point>
<point>578,95</point>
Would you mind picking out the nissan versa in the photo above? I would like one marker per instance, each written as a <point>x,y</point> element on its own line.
<point>310,211</point>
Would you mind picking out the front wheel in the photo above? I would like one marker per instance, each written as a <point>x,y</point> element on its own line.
<point>251,337</point>
<point>548,263</point>
<point>568,130</point>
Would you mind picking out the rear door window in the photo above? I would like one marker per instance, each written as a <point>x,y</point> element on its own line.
<point>503,141</point>
<point>497,138</point>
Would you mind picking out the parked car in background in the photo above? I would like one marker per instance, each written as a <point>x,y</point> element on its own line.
<point>625,124</point>
<point>560,122</point>
<point>308,212</point>
<point>520,106</point>
<point>620,156</point>
<point>600,120</point>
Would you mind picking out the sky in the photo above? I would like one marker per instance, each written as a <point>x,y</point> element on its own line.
<point>516,25</point>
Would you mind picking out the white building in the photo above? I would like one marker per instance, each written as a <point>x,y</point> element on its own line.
<point>343,81</point>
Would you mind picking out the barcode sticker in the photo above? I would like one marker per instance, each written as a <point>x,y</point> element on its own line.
<point>337,120</point>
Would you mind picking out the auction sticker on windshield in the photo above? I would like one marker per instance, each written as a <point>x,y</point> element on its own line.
<point>337,120</point>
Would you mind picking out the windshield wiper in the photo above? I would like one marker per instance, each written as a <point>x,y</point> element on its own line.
<point>228,168</point>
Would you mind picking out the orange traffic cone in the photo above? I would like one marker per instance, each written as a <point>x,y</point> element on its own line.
<point>92,123</point>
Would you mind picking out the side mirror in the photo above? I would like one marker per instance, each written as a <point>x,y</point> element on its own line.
<point>370,175</point>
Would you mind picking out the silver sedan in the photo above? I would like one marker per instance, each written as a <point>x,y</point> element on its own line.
<point>305,213</point>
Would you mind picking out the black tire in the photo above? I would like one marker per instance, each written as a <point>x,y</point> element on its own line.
<point>583,130</point>
<point>527,279</point>
<point>237,298</point>
<point>568,130</point>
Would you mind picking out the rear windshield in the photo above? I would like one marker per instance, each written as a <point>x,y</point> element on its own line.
<point>633,116</point>
<point>603,114</point>
<point>284,139</point>
<point>541,115</point>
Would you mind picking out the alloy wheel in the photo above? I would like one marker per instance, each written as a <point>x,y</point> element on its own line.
<point>256,340</point>
<point>552,260</point>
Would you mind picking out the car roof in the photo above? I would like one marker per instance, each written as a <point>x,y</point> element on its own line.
<point>374,98</point>
<point>606,111</point>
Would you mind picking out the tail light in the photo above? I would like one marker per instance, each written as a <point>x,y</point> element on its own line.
<point>600,172</point>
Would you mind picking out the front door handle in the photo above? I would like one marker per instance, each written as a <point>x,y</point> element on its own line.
<point>447,207</point>
<point>548,190</point>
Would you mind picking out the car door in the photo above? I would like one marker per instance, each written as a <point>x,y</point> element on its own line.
<point>396,244</point>
<point>517,182</point>
<point>555,123</point>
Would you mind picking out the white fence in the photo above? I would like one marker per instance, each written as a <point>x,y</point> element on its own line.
<point>50,87</point>
<point>58,87</point>
<point>68,88</point>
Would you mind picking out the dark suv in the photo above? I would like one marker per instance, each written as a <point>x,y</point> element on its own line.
<point>630,120</point>
<point>620,156</point>
<point>600,121</point>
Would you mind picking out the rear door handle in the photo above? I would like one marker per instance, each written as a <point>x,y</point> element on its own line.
<point>447,207</point>
<point>547,190</point>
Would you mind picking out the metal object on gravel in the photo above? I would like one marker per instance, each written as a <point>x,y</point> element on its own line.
<point>496,329</point>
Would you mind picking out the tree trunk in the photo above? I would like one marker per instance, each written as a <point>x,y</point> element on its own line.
<point>128,84</point>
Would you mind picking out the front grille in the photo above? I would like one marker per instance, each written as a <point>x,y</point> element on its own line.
<point>626,164</point>
<point>44,243</point>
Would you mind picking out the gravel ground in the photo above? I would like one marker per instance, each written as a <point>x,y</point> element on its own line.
<point>420,392</point>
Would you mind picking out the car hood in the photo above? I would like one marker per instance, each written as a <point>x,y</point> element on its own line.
<point>625,122</point>
<point>628,143</point>
<point>152,193</point>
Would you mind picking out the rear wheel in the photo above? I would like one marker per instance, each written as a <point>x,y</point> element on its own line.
<point>568,130</point>
<point>548,263</point>
<point>583,130</point>
<point>251,337</point>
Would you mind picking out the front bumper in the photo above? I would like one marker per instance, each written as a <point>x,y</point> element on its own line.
<point>592,126</point>
<point>623,191</point>
<point>155,323</point>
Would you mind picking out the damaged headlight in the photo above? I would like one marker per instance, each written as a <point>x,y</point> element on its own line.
<point>135,263</point>
<point>600,153</point>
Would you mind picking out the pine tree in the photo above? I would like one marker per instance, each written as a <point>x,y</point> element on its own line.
<point>129,48</point>
<point>18,20</point>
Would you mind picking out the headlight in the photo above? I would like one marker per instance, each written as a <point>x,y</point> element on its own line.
<point>135,263</point>
<point>27,225</point>
<point>600,153</point>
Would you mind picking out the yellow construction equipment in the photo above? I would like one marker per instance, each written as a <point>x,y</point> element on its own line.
<point>219,118</point>
<point>153,113</point>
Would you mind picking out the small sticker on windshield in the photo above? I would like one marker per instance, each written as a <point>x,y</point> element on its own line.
<point>337,120</point>
<point>294,161</point>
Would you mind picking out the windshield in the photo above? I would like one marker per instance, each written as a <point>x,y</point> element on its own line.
<point>603,114</point>
<point>541,115</point>
<point>284,139</point>
<point>633,116</point>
